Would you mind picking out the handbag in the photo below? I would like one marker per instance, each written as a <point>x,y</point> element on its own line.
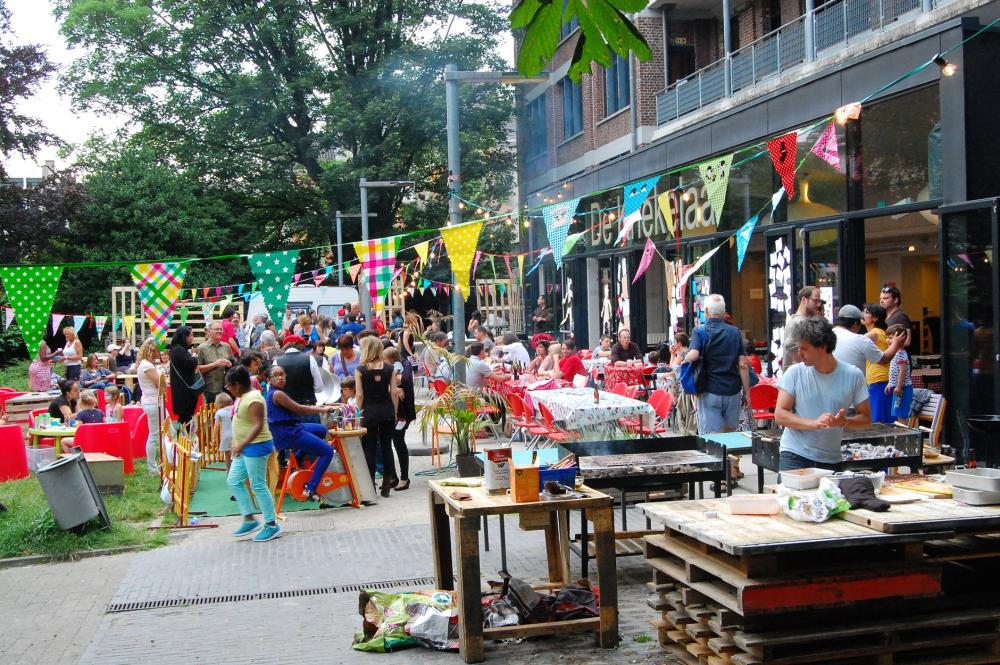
<point>198,386</point>
<point>691,375</point>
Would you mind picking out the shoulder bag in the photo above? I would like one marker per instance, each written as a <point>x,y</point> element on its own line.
<point>693,379</point>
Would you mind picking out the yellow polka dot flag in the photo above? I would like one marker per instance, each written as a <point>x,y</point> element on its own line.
<point>461,241</point>
<point>31,291</point>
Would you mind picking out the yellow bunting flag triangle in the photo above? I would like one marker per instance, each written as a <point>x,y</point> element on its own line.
<point>460,241</point>
<point>421,249</point>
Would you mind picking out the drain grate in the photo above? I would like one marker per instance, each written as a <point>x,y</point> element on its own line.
<point>167,603</point>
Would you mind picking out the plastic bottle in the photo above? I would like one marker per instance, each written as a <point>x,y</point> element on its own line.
<point>972,458</point>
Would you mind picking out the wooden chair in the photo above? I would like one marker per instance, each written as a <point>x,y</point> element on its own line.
<point>931,413</point>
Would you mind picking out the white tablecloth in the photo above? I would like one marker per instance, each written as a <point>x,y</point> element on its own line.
<point>575,407</point>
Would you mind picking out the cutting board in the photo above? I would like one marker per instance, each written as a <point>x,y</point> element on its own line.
<point>927,516</point>
<point>928,487</point>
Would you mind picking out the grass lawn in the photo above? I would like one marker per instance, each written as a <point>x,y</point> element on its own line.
<point>15,375</point>
<point>29,528</point>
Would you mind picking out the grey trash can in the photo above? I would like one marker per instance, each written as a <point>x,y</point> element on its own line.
<point>71,492</point>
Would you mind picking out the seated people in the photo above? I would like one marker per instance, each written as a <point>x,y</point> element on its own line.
<point>625,350</point>
<point>510,350</point>
<point>94,376</point>
<point>64,407</point>
<point>550,365</point>
<point>284,419</point>
<point>570,364</point>
<point>120,358</point>
<point>482,334</point>
<point>89,413</point>
<point>603,350</point>
<point>478,370</point>
<point>541,353</point>
<point>114,410</point>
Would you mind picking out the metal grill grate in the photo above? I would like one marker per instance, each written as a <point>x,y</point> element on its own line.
<point>115,608</point>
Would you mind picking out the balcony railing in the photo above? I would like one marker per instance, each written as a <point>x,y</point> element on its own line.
<point>830,27</point>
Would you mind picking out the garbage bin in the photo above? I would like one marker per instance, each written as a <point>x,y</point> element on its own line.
<point>71,492</point>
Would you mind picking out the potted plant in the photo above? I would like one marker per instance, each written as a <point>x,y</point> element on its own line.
<point>456,409</point>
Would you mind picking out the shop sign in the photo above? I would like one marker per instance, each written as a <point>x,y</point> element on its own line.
<point>696,219</point>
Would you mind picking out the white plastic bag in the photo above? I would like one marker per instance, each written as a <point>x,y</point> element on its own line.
<point>165,495</point>
<point>817,506</point>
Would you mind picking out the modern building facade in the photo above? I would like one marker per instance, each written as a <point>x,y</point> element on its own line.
<point>912,204</point>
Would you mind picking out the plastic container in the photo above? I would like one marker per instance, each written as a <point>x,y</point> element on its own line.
<point>983,479</point>
<point>755,504</point>
<point>803,479</point>
<point>39,457</point>
<point>565,476</point>
<point>974,497</point>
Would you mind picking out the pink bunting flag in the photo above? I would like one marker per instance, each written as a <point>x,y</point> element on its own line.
<point>354,270</point>
<point>475,262</point>
<point>319,279</point>
<point>647,257</point>
<point>826,148</point>
<point>627,223</point>
<point>8,316</point>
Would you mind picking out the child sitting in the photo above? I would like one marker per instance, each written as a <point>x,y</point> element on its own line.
<point>349,408</point>
<point>224,425</point>
<point>114,412</point>
<point>89,413</point>
<point>900,382</point>
<point>660,366</point>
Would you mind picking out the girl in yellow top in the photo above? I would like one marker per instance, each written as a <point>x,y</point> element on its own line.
<point>877,375</point>
<point>251,447</point>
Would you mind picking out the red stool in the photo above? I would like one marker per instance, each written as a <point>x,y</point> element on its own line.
<point>13,458</point>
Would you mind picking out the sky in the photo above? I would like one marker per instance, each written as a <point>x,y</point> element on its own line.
<point>34,23</point>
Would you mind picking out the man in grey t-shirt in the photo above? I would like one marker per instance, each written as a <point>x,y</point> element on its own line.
<point>813,398</point>
<point>478,370</point>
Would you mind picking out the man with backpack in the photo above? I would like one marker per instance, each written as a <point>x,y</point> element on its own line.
<point>723,383</point>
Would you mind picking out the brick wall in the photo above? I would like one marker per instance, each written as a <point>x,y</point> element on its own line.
<point>649,76</point>
<point>792,9</point>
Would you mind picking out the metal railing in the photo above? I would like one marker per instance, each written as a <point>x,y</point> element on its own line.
<point>833,25</point>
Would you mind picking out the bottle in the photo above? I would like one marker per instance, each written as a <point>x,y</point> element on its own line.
<point>972,458</point>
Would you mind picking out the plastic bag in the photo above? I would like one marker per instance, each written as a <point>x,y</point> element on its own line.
<point>412,618</point>
<point>817,506</point>
<point>165,495</point>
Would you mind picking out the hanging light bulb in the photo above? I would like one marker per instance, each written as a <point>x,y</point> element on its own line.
<point>947,68</point>
<point>461,206</point>
<point>479,211</point>
<point>527,224</point>
<point>687,197</point>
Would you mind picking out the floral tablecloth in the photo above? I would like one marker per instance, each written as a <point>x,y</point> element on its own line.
<point>576,409</point>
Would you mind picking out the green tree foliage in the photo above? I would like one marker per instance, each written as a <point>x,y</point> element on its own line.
<point>289,102</point>
<point>603,28</point>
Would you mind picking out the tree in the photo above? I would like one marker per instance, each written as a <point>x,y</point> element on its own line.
<point>603,28</point>
<point>291,101</point>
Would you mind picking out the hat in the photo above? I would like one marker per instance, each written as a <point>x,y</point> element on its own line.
<point>113,347</point>
<point>850,312</point>
<point>294,339</point>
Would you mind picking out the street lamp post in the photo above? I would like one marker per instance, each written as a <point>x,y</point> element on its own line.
<point>340,242</point>
<point>364,185</point>
<point>452,77</point>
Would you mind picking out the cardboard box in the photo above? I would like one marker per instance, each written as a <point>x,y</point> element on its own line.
<point>108,472</point>
<point>496,470</point>
<point>523,484</point>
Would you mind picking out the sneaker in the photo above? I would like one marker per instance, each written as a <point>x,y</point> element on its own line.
<point>247,528</point>
<point>268,533</point>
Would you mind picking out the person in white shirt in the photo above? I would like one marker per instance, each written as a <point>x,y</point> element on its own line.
<point>855,349</point>
<point>478,370</point>
<point>511,350</point>
<point>603,350</point>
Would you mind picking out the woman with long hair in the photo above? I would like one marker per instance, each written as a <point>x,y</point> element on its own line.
<point>877,374</point>
<point>94,376</point>
<point>184,375</point>
<point>149,386</point>
<point>40,369</point>
<point>413,328</point>
<point>406,413</point>
<point>72,353</point>
<point>377,400</point>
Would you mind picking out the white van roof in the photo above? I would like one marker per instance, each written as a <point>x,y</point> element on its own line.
<point>311,297</point>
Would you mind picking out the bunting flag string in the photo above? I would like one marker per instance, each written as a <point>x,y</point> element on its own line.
<point>520,269</point>
<point>783,151</point>
<point>128,323</point>
<point>558,218</point>
<point>274,272</point>
<point>185,313</point>
<point>159,286</point>
<point>353,272</point>
<point>475,262</point>
<point>715,174</point>
<point>118,324</point>
<point>55,319</point>
<point>647,257</point>
<point>31,290</point>
<point>461,241</point>
<point>206,312</point>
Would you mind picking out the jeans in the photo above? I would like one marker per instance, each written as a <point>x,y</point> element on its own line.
<point>790,461</point>
<point>152,412</point>
<point>310,439</point>
<point>718,413</point>
<point>254,468</point>
<point>378,441</point>
<point>402,452</point>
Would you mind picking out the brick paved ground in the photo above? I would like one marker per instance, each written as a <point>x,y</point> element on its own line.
<point>56,613</point>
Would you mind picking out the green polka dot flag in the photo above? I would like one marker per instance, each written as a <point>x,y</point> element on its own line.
<point>31,291</point>
<point>274,272</point>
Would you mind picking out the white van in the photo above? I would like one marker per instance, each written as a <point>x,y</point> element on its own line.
<point>326,300</point>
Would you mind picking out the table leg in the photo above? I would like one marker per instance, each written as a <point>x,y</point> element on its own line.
<point>607,574</point>
<point>557,547</point>
<point>584,545</point>
<point>471,645</point>
<point>486,533</point>
<point>760,480</point>
<point>441,544</point>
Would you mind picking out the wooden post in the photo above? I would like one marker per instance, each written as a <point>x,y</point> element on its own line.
<point>470,610</point>
<point>604,539</point>
<point>441,544</point>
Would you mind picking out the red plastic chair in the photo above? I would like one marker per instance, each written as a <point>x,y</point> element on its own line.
<point>619,389</point>
<point>763,400</point>
<point>632,392</point>
<point>138,425</point>
<point>102,400</point>
<point>13,458</point>
<point>109,438</point>
<point>6,394</point>
<point>555,434</point>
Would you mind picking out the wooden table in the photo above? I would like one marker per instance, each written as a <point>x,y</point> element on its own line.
<point>57,433</point>
<point>928,516</point>
<point>552,517</point>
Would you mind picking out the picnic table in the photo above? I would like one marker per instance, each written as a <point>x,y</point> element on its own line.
<point>576,408</point>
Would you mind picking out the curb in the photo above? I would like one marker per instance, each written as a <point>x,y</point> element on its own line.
<point>19,561</point>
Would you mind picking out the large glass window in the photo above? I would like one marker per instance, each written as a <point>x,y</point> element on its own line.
<point>616,85</point>
<point>896,139</point>
<point>823,268</point>
<point>572,108</point>
<point>535,122</point>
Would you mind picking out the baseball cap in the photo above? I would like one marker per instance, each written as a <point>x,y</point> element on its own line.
<point>850,312</point>
<point>113,347</point>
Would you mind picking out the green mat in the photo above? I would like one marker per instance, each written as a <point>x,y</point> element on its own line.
<point>212,496</point>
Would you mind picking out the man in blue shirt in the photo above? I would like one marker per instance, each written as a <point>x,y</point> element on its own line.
<point>813,398</point>
<point>352,327</point>
<point>725,366</point>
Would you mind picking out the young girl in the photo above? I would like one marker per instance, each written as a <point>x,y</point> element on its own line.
<point>250,450</point>
<point>900,384</point>
<point>89,413</point>
<point>224,425</point>
<point>114,412</point>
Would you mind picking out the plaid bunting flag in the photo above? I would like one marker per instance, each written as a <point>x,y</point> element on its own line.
<point>31,292</point>
<point>159,286</point>
<point>379,259</point>
<point>558,218</point>
<point>99,322</point>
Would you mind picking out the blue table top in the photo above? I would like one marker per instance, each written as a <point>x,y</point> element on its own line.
<point>735,442</point>
<point>523,457</point>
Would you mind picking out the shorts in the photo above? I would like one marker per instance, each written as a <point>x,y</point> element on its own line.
<point>901,406</point>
